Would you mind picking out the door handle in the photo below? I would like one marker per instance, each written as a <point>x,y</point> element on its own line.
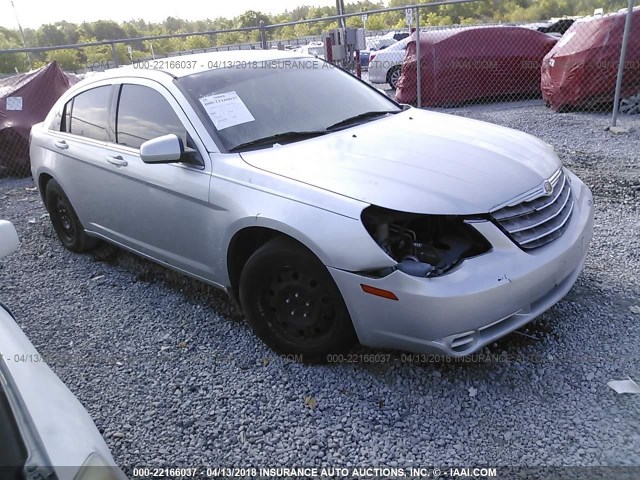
<point>62,145</point>
<point>118,161</point>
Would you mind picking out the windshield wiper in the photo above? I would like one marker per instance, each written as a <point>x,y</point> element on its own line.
<point>277,138</point>
<point>357,118</point>
<point>297,136</point>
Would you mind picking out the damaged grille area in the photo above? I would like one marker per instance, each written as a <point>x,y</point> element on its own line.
<point>534,223</point>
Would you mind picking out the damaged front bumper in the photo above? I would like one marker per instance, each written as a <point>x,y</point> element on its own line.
<point>487,297</point>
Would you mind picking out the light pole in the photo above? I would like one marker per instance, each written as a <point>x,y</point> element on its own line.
<point>24,42</point>
<point>340,9</point>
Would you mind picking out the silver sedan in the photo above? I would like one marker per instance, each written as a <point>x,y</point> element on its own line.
<point>331,218</point>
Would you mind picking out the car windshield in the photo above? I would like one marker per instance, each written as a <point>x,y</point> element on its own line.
<point>266,99</point>
<point>399,45</point>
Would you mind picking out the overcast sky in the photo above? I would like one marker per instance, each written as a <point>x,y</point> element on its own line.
<point>33,13</point>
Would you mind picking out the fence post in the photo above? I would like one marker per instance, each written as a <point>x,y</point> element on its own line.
<point>263,35</point>
<point>623,56</point>
<point>418,61</point>
<point>114,54</point>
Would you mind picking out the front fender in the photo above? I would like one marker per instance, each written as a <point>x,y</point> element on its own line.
<point>338,241</point>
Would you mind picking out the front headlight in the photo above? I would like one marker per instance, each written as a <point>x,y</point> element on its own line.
<point>424,245</point>
<point>97,468</point>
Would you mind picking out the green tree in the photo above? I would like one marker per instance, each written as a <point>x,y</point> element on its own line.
<point>68,59</point>
<point>10,62</point>
<point>51,35</point>
<point>197,42</point>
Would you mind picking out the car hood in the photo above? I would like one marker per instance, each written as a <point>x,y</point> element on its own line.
<point>63,426</point>
<point>417,161</point>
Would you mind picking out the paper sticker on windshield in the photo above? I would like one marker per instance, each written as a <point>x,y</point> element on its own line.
<point>226,110</point>
<point>14,103</point>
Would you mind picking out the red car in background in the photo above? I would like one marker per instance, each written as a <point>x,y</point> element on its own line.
<point>459,65</point>
<point>581,70</point>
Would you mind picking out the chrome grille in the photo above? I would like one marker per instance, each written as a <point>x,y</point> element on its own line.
<point>534,223</point>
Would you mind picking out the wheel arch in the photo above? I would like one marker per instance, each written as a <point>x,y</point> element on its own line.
<point>248,239</point>
<point>392,69</point>
<point>42,181</point>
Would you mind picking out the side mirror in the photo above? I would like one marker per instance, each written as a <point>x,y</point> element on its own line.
<point>8,238</point>
<point>165,149</point>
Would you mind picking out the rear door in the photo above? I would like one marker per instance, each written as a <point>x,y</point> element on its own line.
<point>75,149</point>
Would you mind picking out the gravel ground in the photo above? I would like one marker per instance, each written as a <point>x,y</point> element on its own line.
<point>173,376</point>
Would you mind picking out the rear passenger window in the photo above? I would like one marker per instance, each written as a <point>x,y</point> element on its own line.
<point>90,114</point>
<point>66,117</point>
<point>143,114</point>
<point>62,118</point>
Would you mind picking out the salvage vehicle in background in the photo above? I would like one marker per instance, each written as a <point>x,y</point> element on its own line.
<point>376,44</point>
<point>464,64</point>
<point>315,49</point>
<point>45,433</point>
<point>332,217</point>
<point>385,66</point>
<point>581,70</point>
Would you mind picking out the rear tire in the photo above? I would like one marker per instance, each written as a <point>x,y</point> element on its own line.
<point>630,105</point>
<point>393,76</point>
<point>292,303</point>
<point>65,221</point>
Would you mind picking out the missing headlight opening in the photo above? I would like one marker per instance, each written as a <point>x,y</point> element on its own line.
<point>423,245</point>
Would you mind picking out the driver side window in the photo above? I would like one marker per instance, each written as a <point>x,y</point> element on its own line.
<point>144,114</point>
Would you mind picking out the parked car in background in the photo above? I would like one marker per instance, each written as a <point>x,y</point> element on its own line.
<point>558,27</point>
<point>44,430</point>
<point>375,44</point>
<point>315,49</point>
<point>582,69</point>
<point>330,212</point>
<point>385,66</point>
<point>380,43</point>
<point>396,35</point>
<point>463,64</point>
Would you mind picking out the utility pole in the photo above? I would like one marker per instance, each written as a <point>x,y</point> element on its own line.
<point>340,9</point>
<point>24,41</point>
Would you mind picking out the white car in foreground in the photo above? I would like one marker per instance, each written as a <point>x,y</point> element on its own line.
<point>330,212</point>
<point>45,433</point>
<point>385,66</point>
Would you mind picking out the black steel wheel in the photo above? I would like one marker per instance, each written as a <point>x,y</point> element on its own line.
<point>65,221</point>
<point>293,304</point>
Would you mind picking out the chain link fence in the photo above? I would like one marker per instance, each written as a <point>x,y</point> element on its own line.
<point>569,63</point>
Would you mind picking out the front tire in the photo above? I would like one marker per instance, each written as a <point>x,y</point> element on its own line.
<point>65,220</point>
<point>292,303</point>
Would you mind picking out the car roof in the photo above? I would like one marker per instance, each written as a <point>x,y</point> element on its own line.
<point>183,65</point>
